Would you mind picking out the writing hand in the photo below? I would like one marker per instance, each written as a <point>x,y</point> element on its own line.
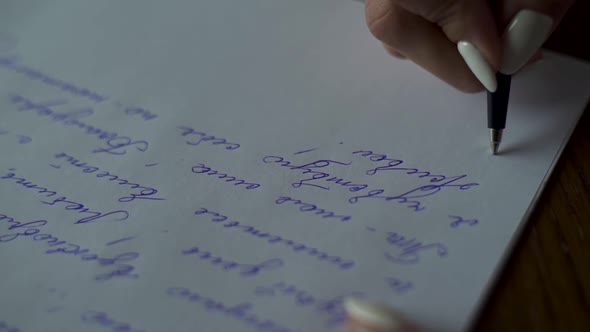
<point>465,42</point>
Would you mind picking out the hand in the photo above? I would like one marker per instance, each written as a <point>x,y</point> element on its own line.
<point>460,41</point>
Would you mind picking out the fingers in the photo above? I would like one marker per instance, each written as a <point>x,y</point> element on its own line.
<point>462,20</point>
<point>371,317</point>
<point>458,40</point>
<point>528,25</point>
<point>422,41</point>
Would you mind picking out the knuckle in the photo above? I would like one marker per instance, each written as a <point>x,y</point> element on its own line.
<point>385,23</point>
<point>445,11</point>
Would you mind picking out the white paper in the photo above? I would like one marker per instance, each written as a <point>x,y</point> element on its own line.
<point>115,115</point>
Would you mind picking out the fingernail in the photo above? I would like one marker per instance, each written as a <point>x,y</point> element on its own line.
<point>525,34</point>
<point>532,63</point>
<point>373,314</point>
<point>478,65</point>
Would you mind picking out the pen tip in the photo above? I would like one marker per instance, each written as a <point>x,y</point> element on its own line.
<point>494,146</point>
<point>495,139</point>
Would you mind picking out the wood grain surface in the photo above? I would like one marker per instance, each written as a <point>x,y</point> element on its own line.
<point>545,285</point>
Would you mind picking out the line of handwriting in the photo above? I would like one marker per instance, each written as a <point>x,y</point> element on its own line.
<point>143,191</point>
<point>393,165</point>
<point>202,169</point>
<point>115,143</point>
<point>323,180</point>
<point>245,270</point>
<point>14,64</point>
<point>68,205</point>
<point>333,307</point>
<point>194,137</point>
<point>11,62</point>
<point>308,207</point>
<point>103,320</point>
<point>239,312</point>
<point>275,239</point>
<point>32,229</point>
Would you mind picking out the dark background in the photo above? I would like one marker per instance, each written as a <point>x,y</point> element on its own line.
<point>545,285</point>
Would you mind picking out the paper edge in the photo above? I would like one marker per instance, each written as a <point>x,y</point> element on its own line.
<point>500,266</point>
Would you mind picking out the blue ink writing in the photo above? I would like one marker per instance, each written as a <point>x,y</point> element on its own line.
<point>308,207</point>
<point>12,63</point>
<point>305,151</point>
<point>407,198</point>
<point>142,192</point>
<point>392,165</point>
<point>116,144</point>
<point>103,320</point>
<point>458,221</point>
<point>32,229</point>
<point>275,239</point>
<point>194,137</point>
<point>202,169</point>
<point>333,307</point>
<point>398,285</point>
<point>411,198</point>
<point>409,249</point>
<point>117,215</point>
<point>4,327</point>
<point>245,270</point>
<point>312,168</point>
<point>145,114</point>
<point>120,240</point>
<point>22,139</point>
<point>239,312</point>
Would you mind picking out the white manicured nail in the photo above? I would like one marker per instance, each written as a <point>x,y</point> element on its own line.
<point>372,314</point>
<point>478,65</point>
<point>525,34</point>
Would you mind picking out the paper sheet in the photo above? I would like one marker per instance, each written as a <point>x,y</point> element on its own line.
<point>244,166</point>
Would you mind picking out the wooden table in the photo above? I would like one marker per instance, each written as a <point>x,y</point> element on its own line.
<point>545,285</point>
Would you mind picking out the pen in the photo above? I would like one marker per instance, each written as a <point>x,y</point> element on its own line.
<point>498,110</point>
<point>498,106</point>
<point>522,38</point>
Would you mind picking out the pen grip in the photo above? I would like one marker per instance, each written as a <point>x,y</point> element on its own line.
<point>498,102</point>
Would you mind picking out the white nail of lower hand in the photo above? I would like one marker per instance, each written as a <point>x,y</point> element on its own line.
<point>372,314</point>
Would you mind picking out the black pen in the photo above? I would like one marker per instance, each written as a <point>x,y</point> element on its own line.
<point>523,36</point>
<point>498,110</point>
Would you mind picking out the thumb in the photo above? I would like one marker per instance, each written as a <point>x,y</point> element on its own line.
<point>472,26</point>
